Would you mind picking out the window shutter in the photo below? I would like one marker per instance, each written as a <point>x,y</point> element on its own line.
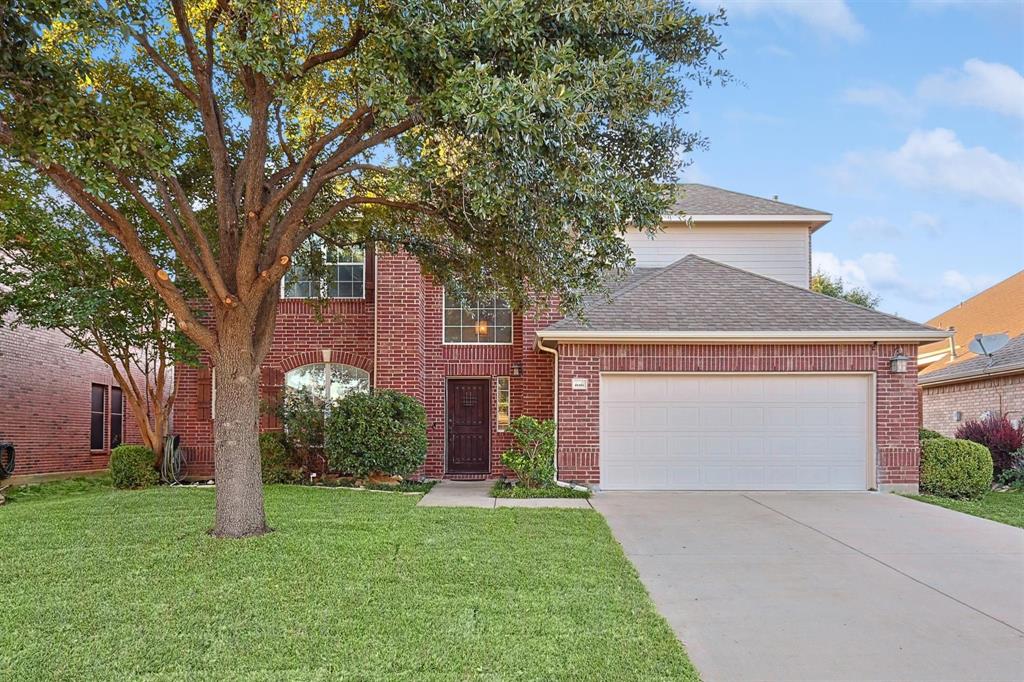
<point>271,383</point>
<point>204,393</point>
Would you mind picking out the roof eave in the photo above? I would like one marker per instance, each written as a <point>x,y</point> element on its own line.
<point>1015,368</point>
<point>637,336</point>
<point>814,221</point>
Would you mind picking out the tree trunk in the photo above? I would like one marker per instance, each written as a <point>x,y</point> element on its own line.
<point>236,442</point>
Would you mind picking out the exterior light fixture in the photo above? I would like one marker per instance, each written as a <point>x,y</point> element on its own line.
<point>482,327</point>
<point>898,363</point>
<point>516,369</point>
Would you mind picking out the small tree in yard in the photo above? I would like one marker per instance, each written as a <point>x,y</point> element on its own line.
<point>533,457</point>
<point>59,270</point>
<point>505,145</point>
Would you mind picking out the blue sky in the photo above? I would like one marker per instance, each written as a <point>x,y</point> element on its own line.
<point>903,120</point>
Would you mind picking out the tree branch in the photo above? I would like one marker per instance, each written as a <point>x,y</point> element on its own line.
<point>313,61</point>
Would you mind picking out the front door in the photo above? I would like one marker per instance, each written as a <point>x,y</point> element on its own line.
<point>469,426</point>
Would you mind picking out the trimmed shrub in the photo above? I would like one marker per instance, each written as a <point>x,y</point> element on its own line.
<point>925,434</point>
<point>276,460</point>
<point>304,416</point>
<point>380,432</point>
<point>533,457</point>
<point>955,468</point>
<point>998,434</point>
<point>131,466</point>
<point>1013,476</point>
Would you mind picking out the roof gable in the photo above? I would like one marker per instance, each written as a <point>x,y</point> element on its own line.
<point>699,296</point>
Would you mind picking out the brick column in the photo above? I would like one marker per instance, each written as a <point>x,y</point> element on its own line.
<point>399,328</point>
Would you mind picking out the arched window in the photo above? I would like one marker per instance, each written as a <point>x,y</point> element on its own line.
<point>328,381</point>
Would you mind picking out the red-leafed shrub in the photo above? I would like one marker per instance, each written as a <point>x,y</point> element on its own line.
<point>998,434</point>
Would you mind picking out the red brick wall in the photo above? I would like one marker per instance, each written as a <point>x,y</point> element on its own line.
<point>1000,395</point>
<point>344,327</point>
<point>579,410</point>
<point>45,394</point>
<point>400,325</point>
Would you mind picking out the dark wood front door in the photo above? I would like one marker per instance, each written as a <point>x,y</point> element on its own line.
<point>469,426</point>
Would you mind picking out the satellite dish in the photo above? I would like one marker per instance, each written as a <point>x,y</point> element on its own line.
<point>987,344</point>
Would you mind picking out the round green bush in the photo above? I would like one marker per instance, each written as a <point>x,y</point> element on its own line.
<point>955,468</point>
<point>276,460</point>
<point>383,431</point>
<point>131,466</point>
<point>926,434</point>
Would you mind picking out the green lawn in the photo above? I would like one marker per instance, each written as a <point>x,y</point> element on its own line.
<point>1005,507</point>
<point>351,585</point>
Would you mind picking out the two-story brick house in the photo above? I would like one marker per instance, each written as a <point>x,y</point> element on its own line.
<point>711,366</point>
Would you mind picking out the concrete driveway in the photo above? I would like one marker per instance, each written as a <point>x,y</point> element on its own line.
<point>828,586</point>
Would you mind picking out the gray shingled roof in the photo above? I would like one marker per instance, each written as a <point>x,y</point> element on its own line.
<point>696,199</point>
<point>695,294</point>
<point>1006,359</point>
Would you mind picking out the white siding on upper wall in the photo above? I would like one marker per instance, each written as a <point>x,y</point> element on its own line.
<point>781,252</point>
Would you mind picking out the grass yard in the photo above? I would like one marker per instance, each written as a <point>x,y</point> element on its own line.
<point>1005,507</point>
<point>351,585</point>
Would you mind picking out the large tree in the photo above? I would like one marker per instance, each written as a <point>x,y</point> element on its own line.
<point>60,270</point>
<point>824,283</point>
<point>504,144</point>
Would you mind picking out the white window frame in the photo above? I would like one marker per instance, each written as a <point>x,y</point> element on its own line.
<point>328,378</point>
<point>323,283</point>
<point>511,327</point>
<point>498,390</point>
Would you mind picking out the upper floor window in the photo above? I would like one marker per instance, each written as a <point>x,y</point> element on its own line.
<point>483,321</point>
<point>328,381</point>
<point>345,274</point>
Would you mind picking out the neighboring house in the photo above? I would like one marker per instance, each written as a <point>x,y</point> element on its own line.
<point>62,409</point>
<point>956,384</point>
<point>711,366</point>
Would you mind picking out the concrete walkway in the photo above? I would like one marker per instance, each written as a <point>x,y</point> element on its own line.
<point>477,494</point>
<point>820,586</point>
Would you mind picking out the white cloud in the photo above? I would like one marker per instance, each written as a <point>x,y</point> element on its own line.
<point>881,273</point>
<point>776,51</point>
<point>830,16</point>
<point>885,98</point>
<point>936,160</point>
<point>987,85</point>
<point>966,285</point>
<point>984,85</point>
<point>927,223</point>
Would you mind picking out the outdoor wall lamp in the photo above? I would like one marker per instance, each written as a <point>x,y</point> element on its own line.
<point>898,363</point>
<point>516,369</point>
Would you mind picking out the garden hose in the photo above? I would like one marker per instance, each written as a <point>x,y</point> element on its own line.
<point>172,466</point>
<point>6,459</point>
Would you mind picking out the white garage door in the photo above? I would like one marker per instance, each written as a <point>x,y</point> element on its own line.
<point>734,432</point>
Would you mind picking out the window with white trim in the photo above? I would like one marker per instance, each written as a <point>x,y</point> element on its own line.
<point>345,269</point>
<point>483,321</point>
<point>503,405</point>
<point>328,381</point>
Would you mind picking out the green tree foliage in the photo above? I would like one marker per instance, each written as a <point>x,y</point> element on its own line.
<point>823,283</point>
<point>502,144</point>
<point>60,270</point>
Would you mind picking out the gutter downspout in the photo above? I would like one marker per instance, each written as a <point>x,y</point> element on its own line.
<point>563,484</point>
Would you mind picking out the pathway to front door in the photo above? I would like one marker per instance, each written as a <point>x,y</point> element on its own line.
<point>468,426</point>
<point>828,586</point>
